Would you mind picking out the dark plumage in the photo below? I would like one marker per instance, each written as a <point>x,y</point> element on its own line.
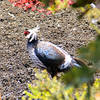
<point>47,55</point>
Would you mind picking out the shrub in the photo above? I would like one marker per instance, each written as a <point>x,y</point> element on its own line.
<point>45,88</point>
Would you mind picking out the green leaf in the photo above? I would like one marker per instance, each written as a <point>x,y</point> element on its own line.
<point>77,76</point>
<point>81,3</point>
<point>92,52</point>
<point>29,94</point>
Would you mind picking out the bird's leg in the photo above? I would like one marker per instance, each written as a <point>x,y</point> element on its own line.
<point>52,72</point>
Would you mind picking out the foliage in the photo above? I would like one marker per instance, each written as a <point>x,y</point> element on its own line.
<point>35,5</point>
<point>80,3</point>
<point>77,76</point>
<point>44,88</point>
<point>92,53</point>
<point>58,5</point>
<point>46,6</point>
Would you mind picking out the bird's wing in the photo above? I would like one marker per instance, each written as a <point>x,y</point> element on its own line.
<point>35,59</point>
<point>49,54</point>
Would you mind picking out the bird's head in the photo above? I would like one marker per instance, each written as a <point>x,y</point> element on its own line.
<point>31,34</point>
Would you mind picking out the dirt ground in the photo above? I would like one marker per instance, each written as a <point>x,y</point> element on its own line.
<point>16,68</point>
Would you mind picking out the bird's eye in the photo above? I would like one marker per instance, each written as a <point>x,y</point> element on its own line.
<point>26,33</point>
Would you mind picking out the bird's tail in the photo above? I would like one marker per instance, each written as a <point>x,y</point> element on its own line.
<point>77,62</point>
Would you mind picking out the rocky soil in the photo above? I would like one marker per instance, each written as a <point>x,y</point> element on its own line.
<point>16,68</point>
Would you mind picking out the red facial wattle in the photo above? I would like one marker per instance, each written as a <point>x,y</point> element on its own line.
<point>26,33</point>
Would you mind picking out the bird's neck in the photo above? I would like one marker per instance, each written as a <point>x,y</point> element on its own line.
<point>32,44</point>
